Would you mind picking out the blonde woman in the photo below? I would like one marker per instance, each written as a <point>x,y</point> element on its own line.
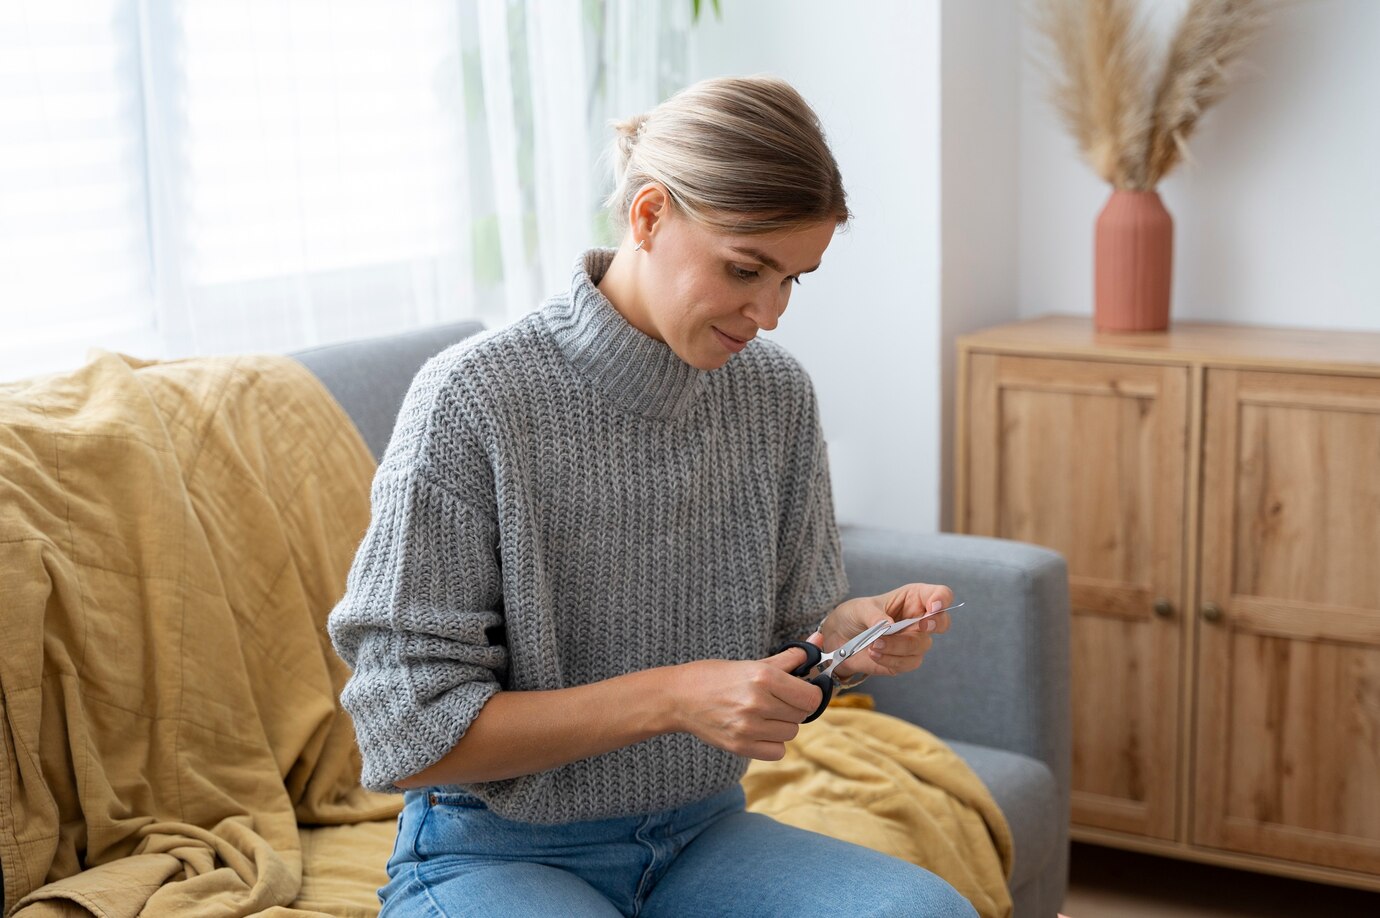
<point>589,530</point>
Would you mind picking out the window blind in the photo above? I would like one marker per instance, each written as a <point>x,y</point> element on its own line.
<point>74,247</point>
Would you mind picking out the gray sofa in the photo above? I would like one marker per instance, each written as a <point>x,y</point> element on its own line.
<point>996,687</point>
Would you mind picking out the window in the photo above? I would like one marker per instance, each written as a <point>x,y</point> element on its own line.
<point>185,176</point>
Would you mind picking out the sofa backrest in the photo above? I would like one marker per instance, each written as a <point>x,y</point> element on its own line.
<point>370,376</point>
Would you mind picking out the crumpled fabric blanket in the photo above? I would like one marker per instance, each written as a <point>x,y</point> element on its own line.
<point>172,537</point>
<point>885,783</point>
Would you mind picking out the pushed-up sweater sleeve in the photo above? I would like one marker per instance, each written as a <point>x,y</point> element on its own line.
<point>420,621</point>
<point>811,579</point>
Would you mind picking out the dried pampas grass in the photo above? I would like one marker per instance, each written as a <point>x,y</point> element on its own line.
<point>1131,125</point>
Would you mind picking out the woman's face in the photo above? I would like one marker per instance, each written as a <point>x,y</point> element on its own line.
<point>706,293</point>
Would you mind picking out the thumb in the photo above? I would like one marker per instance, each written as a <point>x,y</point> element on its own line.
<point>790,658</point>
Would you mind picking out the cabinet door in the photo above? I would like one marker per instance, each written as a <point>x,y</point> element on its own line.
<point>1288,739</point>
<point>1088,458</point>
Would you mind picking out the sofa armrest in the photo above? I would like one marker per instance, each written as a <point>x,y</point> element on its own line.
<point>1000,676</point>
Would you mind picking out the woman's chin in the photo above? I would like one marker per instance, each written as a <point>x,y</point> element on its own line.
<point>703,361</point>
<point>711,363</point>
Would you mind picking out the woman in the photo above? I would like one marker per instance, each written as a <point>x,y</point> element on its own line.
<point>589,528</point>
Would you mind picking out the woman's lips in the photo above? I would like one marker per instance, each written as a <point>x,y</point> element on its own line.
<point>733,344</point>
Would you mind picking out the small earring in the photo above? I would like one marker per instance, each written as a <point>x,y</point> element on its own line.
<point>638,247</point>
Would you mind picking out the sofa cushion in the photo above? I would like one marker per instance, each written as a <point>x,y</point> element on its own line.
<point>1024,789</point>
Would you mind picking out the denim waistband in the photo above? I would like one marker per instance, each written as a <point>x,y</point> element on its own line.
<point>451,795</point>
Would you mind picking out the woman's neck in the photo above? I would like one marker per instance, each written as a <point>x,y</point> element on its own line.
<point>620,284</point>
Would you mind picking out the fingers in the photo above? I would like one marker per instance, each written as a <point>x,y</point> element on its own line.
<point>796,693</point>
<point>750,707</point>
<point>787,659</point>
<point>778,731</point>
<point>767,752</point>
<point>766,740</point>
<point>942,598</point>
<point>903,651</point>
<point>904,644</point>
<point>798,698</point>
<point>789,697</point>
<point>937,625</point>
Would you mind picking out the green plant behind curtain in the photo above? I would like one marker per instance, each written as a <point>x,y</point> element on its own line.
<point>695,7</point>
<point>599,17</point>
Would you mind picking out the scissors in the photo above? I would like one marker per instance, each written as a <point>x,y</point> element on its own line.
<point>825,680</point>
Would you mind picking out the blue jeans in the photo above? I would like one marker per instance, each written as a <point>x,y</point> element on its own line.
<point>454,857</point>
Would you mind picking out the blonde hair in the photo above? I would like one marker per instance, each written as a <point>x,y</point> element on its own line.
<point>743,155</point>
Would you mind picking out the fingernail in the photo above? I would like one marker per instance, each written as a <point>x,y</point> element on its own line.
<point>878,645</point>
<point>929,626</point>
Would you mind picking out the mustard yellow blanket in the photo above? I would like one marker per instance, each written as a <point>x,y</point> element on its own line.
<point>172,537</point>
<point>879,781</point>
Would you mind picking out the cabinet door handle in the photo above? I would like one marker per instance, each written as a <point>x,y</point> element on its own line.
<point>1163,608</point>
<point>1212,612</point>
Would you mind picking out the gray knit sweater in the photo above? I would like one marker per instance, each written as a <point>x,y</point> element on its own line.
<point>565,500</point>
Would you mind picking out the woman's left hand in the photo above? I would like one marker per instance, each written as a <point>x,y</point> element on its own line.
<point>895,653</point>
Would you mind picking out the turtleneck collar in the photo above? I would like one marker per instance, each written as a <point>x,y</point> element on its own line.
<point>635,370</point>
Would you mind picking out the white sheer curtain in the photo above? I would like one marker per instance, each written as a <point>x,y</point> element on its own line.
<point>185,177</point>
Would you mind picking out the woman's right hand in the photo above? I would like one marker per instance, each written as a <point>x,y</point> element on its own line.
<point>747,707</point>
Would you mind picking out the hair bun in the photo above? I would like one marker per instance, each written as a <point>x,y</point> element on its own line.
<point>629,130</point>
<point>637,123</point>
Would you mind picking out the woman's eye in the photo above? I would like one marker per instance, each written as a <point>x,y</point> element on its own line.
<point>747,275</point>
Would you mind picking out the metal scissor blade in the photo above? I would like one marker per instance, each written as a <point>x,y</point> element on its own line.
<point>861,641</point>
<point>858,643</point>
<point>829,661</point>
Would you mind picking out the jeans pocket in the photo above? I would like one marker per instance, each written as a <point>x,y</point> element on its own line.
<point>409,824</point>
<point>458,825</point>
<point>397,838</point>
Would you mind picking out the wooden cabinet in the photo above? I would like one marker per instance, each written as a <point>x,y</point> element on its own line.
<point>1216,491</point>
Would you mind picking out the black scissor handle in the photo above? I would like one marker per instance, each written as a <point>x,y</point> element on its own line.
<point>812,656</point>
<point>822,681</point>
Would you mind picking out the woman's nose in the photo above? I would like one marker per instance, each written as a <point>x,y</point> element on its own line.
<point>767,309</point>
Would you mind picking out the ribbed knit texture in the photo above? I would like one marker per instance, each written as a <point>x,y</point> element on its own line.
<point>565,500</point>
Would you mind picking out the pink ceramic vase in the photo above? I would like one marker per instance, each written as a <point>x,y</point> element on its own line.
<point>1133,258</point>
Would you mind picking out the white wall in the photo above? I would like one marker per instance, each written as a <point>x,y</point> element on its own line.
<point>975,208</point>
<point>979,189</point>
<point>1278,220</point>
<point>866,325</point>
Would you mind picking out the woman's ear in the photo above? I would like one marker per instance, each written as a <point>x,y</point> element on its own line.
<point>649,206</point>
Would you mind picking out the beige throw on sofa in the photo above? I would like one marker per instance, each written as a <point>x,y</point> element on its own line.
<point>172,537</point>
